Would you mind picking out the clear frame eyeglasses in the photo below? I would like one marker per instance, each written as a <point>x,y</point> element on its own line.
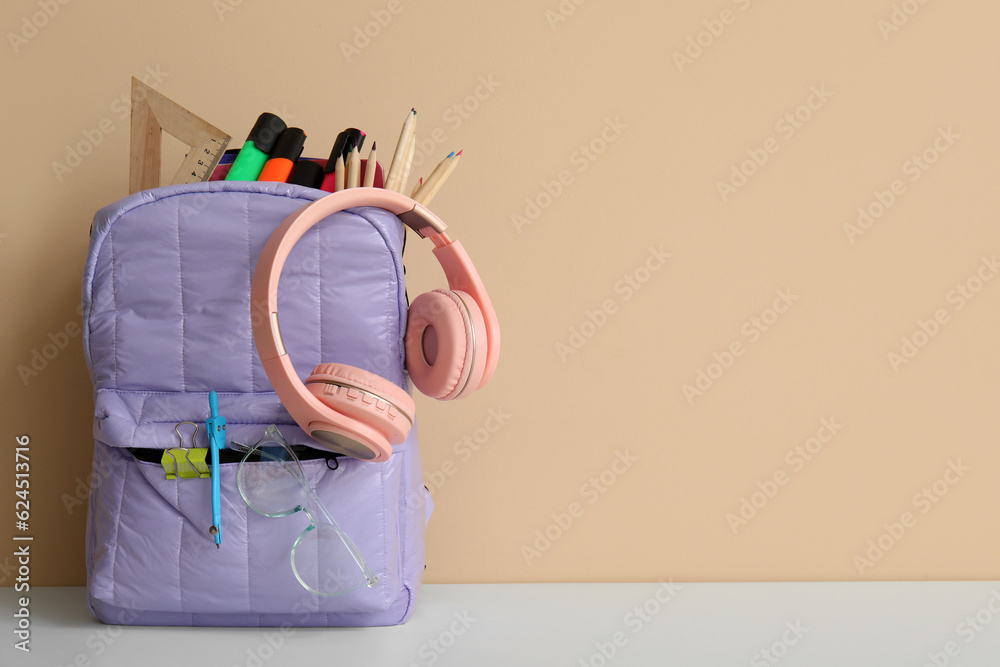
<point>272,481</point>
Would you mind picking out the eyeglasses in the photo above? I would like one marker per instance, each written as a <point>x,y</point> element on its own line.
<point>272,482</point>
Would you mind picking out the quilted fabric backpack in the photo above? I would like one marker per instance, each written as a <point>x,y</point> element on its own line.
<point>166,309</point>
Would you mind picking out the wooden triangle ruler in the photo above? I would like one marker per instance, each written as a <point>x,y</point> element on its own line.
<point>152,114</point>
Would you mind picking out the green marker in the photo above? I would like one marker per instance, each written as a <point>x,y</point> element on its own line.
<point>253,155</point>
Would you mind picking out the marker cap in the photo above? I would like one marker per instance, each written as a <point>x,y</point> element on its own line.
<point>266,131</point>
<point>289,144</point>
<point>307,173</point>
<point>345,143</point>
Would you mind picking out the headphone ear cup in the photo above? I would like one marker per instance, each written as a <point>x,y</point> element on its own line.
<point>359,396</point>
<point>445,344</point>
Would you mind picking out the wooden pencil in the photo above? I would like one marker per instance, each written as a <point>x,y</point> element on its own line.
<point>370,167</point>
<point>397,165</point>
<point>437,170</point>
<point>437,178</point>
<point>338,174</point>
<point>353,176</point>
<point>409,162</point>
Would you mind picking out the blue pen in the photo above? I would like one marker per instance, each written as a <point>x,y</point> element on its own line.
<point>216,427</point>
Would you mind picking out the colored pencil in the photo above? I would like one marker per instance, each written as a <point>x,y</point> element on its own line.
<point>353,176</point>
<point>409,162</point>
<point>370,168</point>
<point>397,165</point>
<point>437,170</point>
<point>437,178</point>
<point>338,172</point>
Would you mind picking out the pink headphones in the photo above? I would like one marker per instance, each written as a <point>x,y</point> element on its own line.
<point>452,338</point>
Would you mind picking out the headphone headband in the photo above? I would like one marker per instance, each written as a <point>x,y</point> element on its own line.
<point>457,266</point>
<point>284,238</point>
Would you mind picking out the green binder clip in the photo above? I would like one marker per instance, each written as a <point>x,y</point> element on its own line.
<point>185,462</point>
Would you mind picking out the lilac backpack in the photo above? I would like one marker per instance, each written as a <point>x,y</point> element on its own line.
<point>166,309</point>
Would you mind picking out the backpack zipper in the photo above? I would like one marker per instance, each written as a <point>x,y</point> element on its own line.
<point>304,453</point>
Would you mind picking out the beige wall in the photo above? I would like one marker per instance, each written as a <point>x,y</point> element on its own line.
<point>767,288</point>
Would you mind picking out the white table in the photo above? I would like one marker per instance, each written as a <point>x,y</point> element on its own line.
<point>601,625</point>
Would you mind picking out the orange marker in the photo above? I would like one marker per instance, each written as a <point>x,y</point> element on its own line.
<point>282,157</point>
